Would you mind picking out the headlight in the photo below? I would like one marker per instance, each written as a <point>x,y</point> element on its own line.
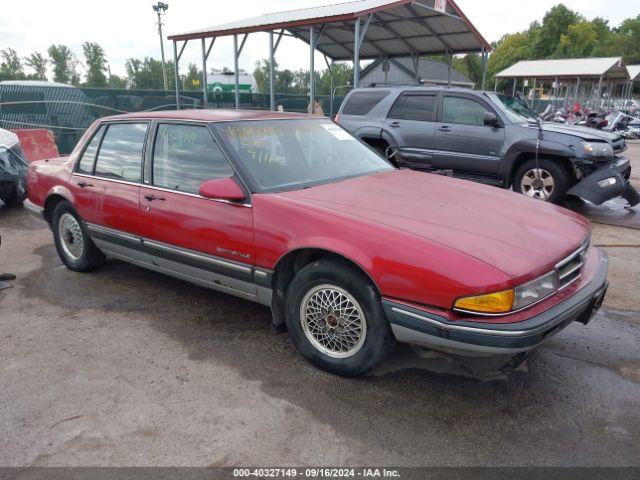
<point>510,300</point>
<point>535,290</point>
<point>498,302</point>
<point>597,149</point>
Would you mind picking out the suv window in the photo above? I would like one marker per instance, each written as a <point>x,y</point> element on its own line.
<point>463,111</point>
<point>361,103</point>
<point>186,156</point>
<point>88,158</point>
<point>414,107</point>
<point>120,155</point>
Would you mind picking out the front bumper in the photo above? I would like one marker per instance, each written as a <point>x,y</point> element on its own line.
<point>417,327</point>
<point>589,187</point>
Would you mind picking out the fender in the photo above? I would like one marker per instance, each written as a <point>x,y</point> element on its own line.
<point>528,146</point>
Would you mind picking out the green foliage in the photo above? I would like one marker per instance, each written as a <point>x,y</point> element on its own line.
<point>11,66</point>
<point>147,73</point>
<point>64,64</point>
<point>554,24</point>
<point>96,63</point>
<point>510,49</point>
<point>297,82</point>
<point>38,63</point>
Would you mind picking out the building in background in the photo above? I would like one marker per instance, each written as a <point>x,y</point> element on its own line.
<point>223,81</point>
<point>401,71</point>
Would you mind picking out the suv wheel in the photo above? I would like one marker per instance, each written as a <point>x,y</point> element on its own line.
<point>74,246</point>
<point>335,318</point>
<point>546,181</point>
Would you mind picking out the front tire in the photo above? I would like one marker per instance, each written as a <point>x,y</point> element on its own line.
<point>548,180</point>
<point>335,318</point>
<point>75,248</point>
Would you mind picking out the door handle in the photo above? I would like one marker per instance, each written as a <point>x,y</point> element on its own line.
<point>444,128</point>
<point>84,184</point>
<point>151,198</point>
<point>395,124</point>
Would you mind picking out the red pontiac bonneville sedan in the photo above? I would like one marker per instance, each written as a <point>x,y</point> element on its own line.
<point>350,253</point>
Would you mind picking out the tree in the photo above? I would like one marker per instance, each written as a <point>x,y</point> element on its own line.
<point>64,64</point>
<point>626,41</point>
<point>193,79</point>
<point>147,73</point>
<point>579,41</point>
<point>11,66</point>
<point>38,63</point>
<point>555,23</point>
<point>96,62</point>
<point>510,49</point>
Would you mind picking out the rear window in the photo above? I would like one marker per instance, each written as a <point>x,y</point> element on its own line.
<point>120,155</point>
<point>361,103</point>
<point>414,107</point>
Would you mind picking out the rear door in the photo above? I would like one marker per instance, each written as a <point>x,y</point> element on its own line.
<point>462,142</point>
<point>210,240</point>
<point>411,122</point>
<point>107,192</point>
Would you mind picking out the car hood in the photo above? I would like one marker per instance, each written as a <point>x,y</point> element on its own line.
<point>520,236</point>
<point>584,133</point>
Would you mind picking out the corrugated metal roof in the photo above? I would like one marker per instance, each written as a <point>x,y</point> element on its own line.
<point>571,67</point>
<point>397,28</point>
<point>634,72</point>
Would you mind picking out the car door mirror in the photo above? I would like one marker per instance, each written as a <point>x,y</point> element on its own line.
<point>490,119</point>
<point>222,189</point>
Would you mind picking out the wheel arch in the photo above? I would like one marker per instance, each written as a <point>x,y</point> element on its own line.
<point>291,262</point>
<point>524,157</point>
<point>53,199</point>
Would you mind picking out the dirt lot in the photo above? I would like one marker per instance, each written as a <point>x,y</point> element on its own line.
<point>129,367</point>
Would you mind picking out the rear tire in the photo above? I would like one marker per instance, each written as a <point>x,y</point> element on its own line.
<point>335,318</point>
<point>548,181</point>
<point>75,248</point>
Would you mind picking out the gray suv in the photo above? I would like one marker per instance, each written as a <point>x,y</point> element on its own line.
<point>490,138</point>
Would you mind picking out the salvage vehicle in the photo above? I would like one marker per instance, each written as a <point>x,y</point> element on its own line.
<point>489,138</point>
<point>13,169</point>
<point>350,253</point>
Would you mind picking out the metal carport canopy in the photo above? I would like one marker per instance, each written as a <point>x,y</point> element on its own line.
<point>396,29</point>
<point>573,67</point>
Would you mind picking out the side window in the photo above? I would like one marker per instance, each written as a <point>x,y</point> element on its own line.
<point>361,103</point>
<point>463,111</point>
<point>120,155</point>
<point>185,156</point>
<point>414,107</point>
<point>88,158</point>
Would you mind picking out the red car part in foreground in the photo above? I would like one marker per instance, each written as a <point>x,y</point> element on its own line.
<point>293,212</point>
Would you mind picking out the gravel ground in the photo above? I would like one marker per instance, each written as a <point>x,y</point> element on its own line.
<point>126,367</point>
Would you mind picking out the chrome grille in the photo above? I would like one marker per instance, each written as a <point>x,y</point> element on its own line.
<point>570,269</point>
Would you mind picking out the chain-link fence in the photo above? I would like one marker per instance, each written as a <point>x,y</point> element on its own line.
<point>67,111</point>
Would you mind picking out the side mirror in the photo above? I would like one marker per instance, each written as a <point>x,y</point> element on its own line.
<point>222,189</point>
<point>490,119</point>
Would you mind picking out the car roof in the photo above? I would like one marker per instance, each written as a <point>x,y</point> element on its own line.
<point>209,115</point>
<point>426,88</point>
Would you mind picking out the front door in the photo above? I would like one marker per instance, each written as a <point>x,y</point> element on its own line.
<point>209,241</point>
<point>462,142</point>
<point>411,123</point>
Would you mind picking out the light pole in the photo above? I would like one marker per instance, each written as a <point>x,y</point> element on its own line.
<point>160,9</point>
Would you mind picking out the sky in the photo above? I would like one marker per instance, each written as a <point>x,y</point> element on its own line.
<point>127,28</point>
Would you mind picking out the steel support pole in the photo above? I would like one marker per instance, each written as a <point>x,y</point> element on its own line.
<point>449,68</point>
<point>533,96</point>
<point>513,90</point>
<point>204,76</point>
<point>599,95</point>
<point>312,68</point>
<point>272,92</point>
<point>356,54</point>
<point>176,74</point>
<point>495,85</point>
<point>484,68</point>
<point>577,89</point>
<point>236,74</point>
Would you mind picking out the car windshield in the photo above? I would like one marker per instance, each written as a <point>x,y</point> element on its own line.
<point>290,154</point>
<point>517,111</point>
